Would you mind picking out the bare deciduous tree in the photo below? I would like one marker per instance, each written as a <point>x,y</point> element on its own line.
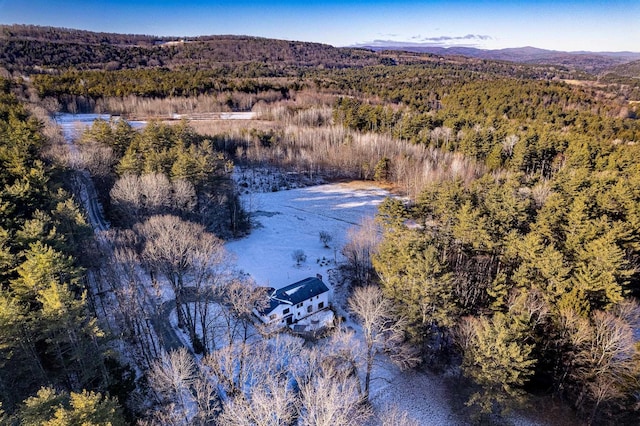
<point>183,195</point>
<point>361,245</point>
<point>325,238</point>
<point>126,197</point>
<point>343,355</point>
<point>155,192</point>
<point>332,401</point>
<point>269,403</point>
<point>185,254</point>
<point>185,394</point>
<point>230,367</point>
<point>298,256</point>
<point>603,359</point>
<point>133,305</point>
<point>97,158</point>
<point>393,416</point>
<point>171,377</point>
<point>383,331</point>
<point>508,143</point>
<point>206,399</point>
<point>235,314</point>
<point>136,197</point>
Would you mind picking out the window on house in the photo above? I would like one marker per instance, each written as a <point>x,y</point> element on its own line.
<point>320,305</point>
<point>285,312</point>
<point>309,309</point>
<point>299,305</point>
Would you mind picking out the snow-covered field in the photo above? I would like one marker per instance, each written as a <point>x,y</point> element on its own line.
<point>291,220</point>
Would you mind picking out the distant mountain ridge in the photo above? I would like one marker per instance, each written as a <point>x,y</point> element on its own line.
<point>594,62</point>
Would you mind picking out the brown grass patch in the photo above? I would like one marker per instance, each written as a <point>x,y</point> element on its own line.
<point>367,184</point>
<point>584,83</point>
<point>221,127</point>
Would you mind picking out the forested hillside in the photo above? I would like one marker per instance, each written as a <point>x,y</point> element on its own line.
<point>630,69</point>
<point>37,48</point>
<point>528,270</point>
<point>511,264</point>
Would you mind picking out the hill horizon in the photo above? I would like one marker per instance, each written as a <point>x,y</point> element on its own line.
<point>14,38</point>
<point>375,45</point>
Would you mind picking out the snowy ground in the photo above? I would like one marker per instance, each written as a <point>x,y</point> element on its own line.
<point>74,124</point>
<point>291,220</point>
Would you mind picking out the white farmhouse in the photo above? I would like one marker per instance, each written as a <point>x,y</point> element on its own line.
<point>294,302</point>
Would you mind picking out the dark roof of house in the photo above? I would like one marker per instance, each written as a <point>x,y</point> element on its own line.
<point>295,293</point>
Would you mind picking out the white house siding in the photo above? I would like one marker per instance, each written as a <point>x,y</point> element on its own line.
<point>297,312</point>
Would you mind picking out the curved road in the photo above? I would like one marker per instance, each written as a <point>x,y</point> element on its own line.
<point>161,321</point>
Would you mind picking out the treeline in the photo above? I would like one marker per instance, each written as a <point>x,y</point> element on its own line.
<point>54,34</point>
<point>52,352</point>
<point>629,69</point>
<point>486,119</point>
<point>156,83</point>
<point>629,86</point>
<point>482,92</point>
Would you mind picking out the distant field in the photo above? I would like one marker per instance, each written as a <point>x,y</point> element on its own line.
<point>584,83</point>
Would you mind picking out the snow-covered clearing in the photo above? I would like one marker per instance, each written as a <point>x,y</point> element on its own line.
<point>291,220</point>
<point>74,124</point>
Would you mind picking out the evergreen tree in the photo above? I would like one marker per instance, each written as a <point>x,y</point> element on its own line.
<point>497,358</point>
<point>51,408</point>
<point>42,266</point>
<point>601,276</point>
<point>411,274</point>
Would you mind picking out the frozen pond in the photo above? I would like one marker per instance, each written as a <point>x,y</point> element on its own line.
<point>73,124</point>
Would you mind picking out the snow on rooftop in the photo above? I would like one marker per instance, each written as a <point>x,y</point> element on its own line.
<point>293,290</point>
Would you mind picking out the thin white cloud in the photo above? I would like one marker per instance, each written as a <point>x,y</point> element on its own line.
<point>465,38</point>
<point>469,40</point>
<point>389,35</point>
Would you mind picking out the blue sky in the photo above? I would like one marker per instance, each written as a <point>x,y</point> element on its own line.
<point>560,25</point>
